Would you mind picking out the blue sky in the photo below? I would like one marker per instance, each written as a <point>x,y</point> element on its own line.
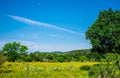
<point>50,25</point>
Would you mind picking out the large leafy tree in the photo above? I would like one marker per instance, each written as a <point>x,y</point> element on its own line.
<point>104,34</point>
<point>14,50</point>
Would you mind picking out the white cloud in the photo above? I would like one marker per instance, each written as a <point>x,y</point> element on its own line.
<point>33,22</point>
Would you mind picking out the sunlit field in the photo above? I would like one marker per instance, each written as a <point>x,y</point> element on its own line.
<point>44,70</point>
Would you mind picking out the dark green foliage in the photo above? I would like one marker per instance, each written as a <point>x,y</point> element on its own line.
<point>5,70</point>
<point>60,58</point>
<point>83,58</point>
<point>14,51</point>
<point>109,68</point>
<point>76,55</point>
<point>85,67</point>
<point>104,34</point>
<point>94,56</point>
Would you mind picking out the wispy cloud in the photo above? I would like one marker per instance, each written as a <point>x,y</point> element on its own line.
<point>37,23</point>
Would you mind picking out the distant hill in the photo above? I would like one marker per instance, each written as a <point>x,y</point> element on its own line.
<point>73,52</point>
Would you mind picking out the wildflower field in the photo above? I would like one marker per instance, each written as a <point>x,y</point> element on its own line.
<point>44,70</point>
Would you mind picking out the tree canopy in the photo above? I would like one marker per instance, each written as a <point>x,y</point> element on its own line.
<point>14,50</point>
<point>104,34</point>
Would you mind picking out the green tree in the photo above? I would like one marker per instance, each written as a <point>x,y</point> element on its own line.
<point>83,58</point>
<point>14,50</point>
<point>104,34</point>
<point>60,58</point>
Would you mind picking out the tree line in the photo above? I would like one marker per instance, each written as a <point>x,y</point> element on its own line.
<point>14,51</point>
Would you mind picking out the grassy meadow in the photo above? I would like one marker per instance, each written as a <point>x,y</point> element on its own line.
<point>44,70</point>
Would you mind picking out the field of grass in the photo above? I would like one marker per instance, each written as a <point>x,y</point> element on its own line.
<point>44,70</point>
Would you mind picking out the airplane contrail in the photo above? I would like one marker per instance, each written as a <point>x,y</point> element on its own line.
<point>33,22</point>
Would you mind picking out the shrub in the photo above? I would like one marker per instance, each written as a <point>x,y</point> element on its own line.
<point>83,58</point>
<point>108,69</point>
<point>85,67</point>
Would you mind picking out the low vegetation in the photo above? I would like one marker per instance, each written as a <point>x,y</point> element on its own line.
<point>2,58</point>
<point>44,70</point>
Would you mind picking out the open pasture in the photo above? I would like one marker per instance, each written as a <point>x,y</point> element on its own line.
<point>44,70</point>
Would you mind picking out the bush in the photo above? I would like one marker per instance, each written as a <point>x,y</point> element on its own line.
<point>108,69</point>
<point>85,67</point>
<point>83,58</point>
